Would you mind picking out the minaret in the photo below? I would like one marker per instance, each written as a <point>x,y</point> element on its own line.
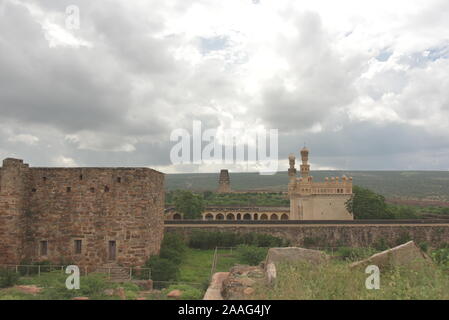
<point>305,167</point>
<point>292,169</point>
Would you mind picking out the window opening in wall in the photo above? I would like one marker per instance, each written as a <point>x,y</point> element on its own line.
<point>112,247</point>
<point>78,244</point>
<point>43,248</point>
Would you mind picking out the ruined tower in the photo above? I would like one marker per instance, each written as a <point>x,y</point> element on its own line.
<point>88,216</point>
<point>224,182</point>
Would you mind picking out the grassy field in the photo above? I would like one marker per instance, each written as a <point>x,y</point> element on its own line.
<point>432,185</point>
<point>335,281</point>
<point>196,267</point>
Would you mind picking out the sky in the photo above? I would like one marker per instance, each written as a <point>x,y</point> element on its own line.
<point>364,84</point>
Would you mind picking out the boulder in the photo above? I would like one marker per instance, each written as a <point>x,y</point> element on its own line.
<point>120,292</point>
<point>144,284</point>
<point>109,292</point>
<point>407,255</point>
<point>175,294</point>
<point>216,284</point>
<point>248,291</point>
<point>31,289</point>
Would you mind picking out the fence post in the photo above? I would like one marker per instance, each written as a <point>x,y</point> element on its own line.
<point>38,270</point>
<point>109,273</point>
<point>17,269</point>
<point>130,273</point>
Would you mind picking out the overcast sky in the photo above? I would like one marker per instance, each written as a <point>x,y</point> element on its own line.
<point>364,83</point>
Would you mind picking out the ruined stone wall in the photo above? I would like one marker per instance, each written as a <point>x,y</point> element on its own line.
<point>94,205</point>
<point>336,235</point>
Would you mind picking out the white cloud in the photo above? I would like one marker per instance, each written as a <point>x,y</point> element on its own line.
<point>312,69</point>
<point>24,138</point>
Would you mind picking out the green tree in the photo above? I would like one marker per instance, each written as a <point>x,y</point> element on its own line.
<point>366,204</point>
<point>189,204</point>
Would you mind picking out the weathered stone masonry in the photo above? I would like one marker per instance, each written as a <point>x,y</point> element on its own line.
<point>87,216</point>
<point>334,235</point>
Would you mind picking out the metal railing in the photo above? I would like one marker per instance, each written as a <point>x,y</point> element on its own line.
<point>132,273</point>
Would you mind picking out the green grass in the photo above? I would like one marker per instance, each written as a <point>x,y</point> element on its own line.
<point>335,281</point>
<point>197,264</point>
<point>53,284</point>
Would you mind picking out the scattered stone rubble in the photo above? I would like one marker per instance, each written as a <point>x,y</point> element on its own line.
<point>240,283</point>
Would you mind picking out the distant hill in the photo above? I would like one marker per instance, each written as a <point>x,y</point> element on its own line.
<point>432,185</point>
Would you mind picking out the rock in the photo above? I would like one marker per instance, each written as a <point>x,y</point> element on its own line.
<point>248,291</point>
<point>120,292</point>
<point>175,294</point>
<point>216,284</point>
<point>80,298</point>
<point>109,292</point>
<point>32,289</point>
<point>407,254</point>
<point>295,254</point>
<point>144,284</point>
<point>271,272</point>
<point>240,282</point>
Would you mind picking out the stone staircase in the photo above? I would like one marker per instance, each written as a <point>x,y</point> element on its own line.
<point>114,272</point>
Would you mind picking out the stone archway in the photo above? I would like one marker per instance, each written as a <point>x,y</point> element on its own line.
<point>219,217</point>
<point>230,216</point>
<point>264,217</point>
<point>209,216</point>
<point>247,216</point>
<point>256,216</point>
<point>239,216</point>
<point>177,216</point>
<point>274,216</point>
<point>284,216</point>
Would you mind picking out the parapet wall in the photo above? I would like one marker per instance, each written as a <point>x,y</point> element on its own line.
<point>321,235</point>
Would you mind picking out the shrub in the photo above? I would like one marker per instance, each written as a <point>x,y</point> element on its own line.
<point>8,278</point>
<point>354,254</point>
<point>175,242</point>
<point>210,240</point>
<point>403,238</point>
<point>162,269</point>
<point>441,256</point>
<point>251,255</point>
<point>381,245</point>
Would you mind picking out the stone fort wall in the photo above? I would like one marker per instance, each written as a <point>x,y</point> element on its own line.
<point>334,235</point>
<point>68,209</point>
